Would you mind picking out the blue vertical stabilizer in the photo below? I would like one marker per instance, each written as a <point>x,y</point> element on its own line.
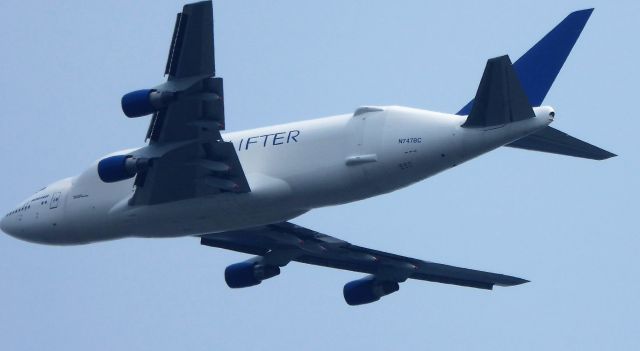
<point>539,67</point>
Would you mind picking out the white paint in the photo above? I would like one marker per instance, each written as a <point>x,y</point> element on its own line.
<point>291,169</point>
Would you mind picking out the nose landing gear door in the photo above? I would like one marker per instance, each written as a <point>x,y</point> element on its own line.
<point>55,200</point>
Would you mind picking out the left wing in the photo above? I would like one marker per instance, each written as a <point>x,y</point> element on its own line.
<point>278,244</point>
<point>188,156</point>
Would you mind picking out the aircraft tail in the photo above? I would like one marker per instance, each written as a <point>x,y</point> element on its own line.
<point>539,67</point>
<point>554,141</point>
<point>536,70</point>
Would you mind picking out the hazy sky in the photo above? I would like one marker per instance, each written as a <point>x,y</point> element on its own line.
<point>568,225</point>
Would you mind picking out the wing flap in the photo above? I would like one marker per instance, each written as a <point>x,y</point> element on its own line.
<point>192,52</point>
<point>441,273</point>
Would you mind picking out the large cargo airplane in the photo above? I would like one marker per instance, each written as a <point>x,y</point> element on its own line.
<point>237,191</point>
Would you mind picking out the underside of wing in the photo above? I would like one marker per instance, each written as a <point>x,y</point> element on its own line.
<point>186,156</point>
<point>278,244</point>
<point>192,52</point>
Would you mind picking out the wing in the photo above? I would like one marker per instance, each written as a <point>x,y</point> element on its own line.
<point>189,157</point>
<point>286,241</point>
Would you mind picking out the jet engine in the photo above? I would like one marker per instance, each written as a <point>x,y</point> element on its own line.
<point>367,290</point>
<point>249,273</point>
<point>145,102</point>
<point>116,168</point>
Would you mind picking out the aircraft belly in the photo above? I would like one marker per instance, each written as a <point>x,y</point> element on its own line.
<point>269,202</point>
<point>200,217</point>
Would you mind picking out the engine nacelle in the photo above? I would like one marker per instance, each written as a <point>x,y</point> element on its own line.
<point>145,102</point>
<point>116,168</point>
<point>248,273</point>
<point>367,290</point>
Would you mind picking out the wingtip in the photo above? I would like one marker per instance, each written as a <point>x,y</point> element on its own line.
<point>605,155</point>
<point>512,281</point>
<point>518,281</point>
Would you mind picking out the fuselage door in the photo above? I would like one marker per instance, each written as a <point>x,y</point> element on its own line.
<point>55,200</point>
<point>367,126</point>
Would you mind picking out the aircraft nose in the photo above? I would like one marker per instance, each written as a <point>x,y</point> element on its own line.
<point>10,226</point>
<point>4,225</point>
<point>17,228</point>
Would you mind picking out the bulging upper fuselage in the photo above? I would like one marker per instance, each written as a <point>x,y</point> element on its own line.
<point>291,169</point>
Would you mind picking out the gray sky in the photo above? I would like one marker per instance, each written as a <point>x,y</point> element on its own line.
<point>568,225</point>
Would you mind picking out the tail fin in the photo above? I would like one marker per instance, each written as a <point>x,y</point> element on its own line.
<point>537,69</point>
<point>500,98</point>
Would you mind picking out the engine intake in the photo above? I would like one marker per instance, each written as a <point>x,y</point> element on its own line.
<point>144,102</point>
<point>248,273</point>
<point>367,290</point>
<point>116,168</point>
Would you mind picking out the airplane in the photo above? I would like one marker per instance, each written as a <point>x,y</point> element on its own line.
<point>239,190</point>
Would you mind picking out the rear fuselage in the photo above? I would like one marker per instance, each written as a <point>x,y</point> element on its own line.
<point>291,169</point>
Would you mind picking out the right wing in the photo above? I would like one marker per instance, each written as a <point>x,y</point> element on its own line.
<point>188,156</point>
<point>289,242</point>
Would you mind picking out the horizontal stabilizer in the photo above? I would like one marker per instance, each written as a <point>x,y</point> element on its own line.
<point>500,98</point>
<point>556,142</point>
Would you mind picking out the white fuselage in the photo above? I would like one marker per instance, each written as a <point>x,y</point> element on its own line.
<point>291,169</point>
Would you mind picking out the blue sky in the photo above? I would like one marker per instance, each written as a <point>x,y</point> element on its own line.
<point>568,225</point>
